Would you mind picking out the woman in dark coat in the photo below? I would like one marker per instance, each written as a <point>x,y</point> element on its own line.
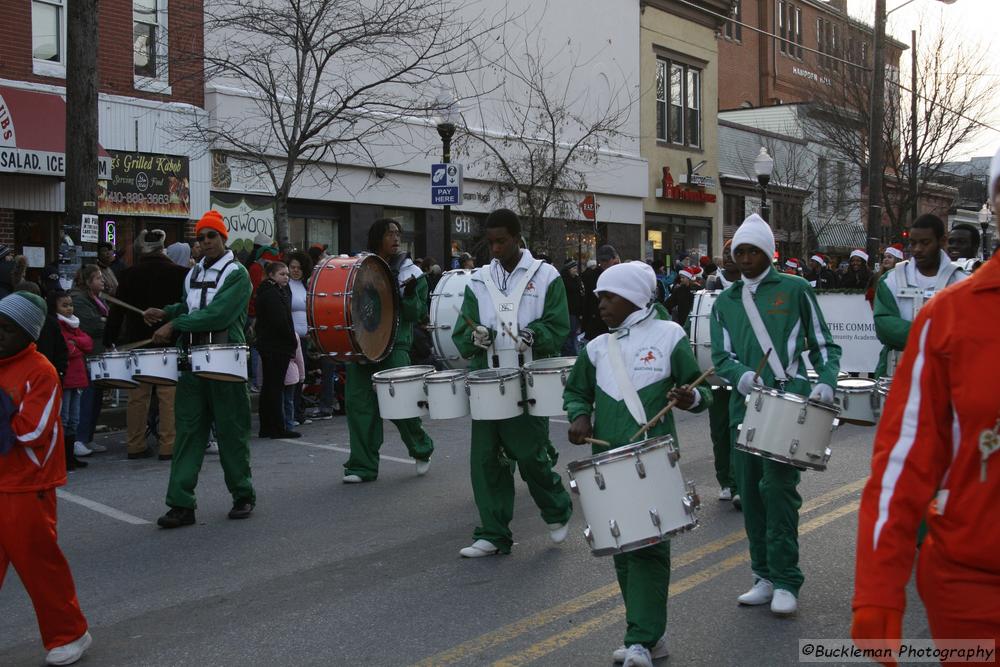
<point>276,344</point>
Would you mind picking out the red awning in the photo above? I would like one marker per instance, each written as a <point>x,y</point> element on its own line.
<point>33,133</point>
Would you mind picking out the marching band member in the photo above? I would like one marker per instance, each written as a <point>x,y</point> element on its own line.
<point>937,445</point>
<point>904,289</point>
<point>765,310</point>
<point>364,422</point>
<point>653,358</point>
<point>216,294</point>
<point>963,246</point>
<point>32,465</point>
<point>514,311</point>
<point>718,410</point>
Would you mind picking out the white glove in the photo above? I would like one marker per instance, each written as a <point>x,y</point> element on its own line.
<point>822,392</point>
<point>525,339</point>
<point>748,382</point>
<point>481,337</point>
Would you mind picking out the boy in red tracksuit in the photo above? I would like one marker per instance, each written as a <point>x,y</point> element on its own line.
<point>32,465</point>
<point>938,440</point>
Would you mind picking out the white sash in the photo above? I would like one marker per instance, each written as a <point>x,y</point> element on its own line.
<point>503,350</point>
<point>625,386</point>
<point>764,338</point>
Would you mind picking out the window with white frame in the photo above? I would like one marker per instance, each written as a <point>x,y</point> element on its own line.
<point>734,29</point>
<point>789,18</point>
<point>678,103</point>
<point>149,38</point>
<point>48,34</point>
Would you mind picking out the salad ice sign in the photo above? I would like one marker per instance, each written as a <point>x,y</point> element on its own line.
<point>145,184</point>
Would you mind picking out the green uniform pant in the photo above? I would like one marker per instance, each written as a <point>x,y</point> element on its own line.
<point>364,423</point>
<point>644,579</point>
<point>496,447</point>
<point>722,440</point>
<point>771,505</point>
<point>197,404</point>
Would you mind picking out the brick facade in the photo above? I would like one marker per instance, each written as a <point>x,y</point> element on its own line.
<point>6,226</point>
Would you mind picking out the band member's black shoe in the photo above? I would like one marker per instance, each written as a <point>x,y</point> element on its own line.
<point>241,510</point>
<point>176,517</point>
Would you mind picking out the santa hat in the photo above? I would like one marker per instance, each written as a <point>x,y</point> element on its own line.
<point>792,263</point>
<point>691,272</point>
<point>896,250</point>
<point>628,280</point>
<point>756,232</point>
<point>818,258</point>
<point>212,220</point>
<point>705,260</point>
<point>860,253</point>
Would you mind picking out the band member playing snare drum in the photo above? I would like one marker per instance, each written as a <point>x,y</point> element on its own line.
<point>654,358</point>
<point>527,293</point>
<point>790,317</point>
<point>364,422</point>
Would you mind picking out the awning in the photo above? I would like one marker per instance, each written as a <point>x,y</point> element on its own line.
<point>839,234</point>
<point>33,134</point>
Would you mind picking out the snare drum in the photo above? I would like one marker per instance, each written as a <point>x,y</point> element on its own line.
<point>400,391</point>
<point>495,393</point>
<point>788,428</point>
<point>227,363</point>
<point>155,366</point>
<point>882,387</point>
<point>814,376</point>
<point>446,395</point>
<point>352,305</point>
<point>445,310</point>
<point>633,496</point>
<point>858,401</point>
<point>545,380</point>
<point>111,370</point>
<point>701,334</point>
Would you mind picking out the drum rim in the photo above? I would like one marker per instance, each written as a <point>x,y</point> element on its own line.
<point>867,384</point>
<point>217,346</point>
<point>150,351</point>
<point>440,379</point>
<point>116,354</point>
<point>795,398</point>
<point>383,377</point>
<point>529,370</point>
<point>511,373</point>
<point>795,463</point>
<point>623,452</point>
<point>648,541</point>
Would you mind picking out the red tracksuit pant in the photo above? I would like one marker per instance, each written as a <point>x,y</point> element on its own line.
<point>28,542</point>
<point>961,603</point>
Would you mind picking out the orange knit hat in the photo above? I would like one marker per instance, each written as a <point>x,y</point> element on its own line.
<point>212,220</point>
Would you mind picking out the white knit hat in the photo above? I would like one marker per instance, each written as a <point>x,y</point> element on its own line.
<point>756,232</point>
<point>628,280</point>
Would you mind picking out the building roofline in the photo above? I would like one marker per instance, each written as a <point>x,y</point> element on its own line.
<point>764,133</point>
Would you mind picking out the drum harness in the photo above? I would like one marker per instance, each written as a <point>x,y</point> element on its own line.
<point>625,384</point>
<point>764,340</point>
<point>506,308</point>
<point>204,286</point>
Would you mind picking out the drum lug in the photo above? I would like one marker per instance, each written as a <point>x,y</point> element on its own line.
<point>573,487</point>
<point>615,530</point>
<point>846,403</point>
<point>599,479</point>
<point>673,456</point>
<point>654,516</point>
<point>640,468</point>
<point>802,414</point>
<point>392,389</point>
<point>759,402</point>
<point>692,501</point>
<point>562,376</point>
<point>750,434</point>
<point>827,454</point>
<point>588,535</point>
<point>531,380</point>
<point>503,389</point>
<point>454,391</point>
<point>794,447</point>
<point>423,404</point>
<point>343,327</point>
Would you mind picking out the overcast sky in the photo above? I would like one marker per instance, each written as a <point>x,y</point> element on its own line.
<point>977,20</point>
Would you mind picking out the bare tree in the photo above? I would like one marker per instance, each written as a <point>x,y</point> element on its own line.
<point>328,82</point>
<point>951,92</point>
<point>542,131</point>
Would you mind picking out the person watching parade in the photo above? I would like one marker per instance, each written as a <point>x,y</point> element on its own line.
<point>963,246</point>
<point>858,274</point>
<point>785,311</point>
<point>818,274</point>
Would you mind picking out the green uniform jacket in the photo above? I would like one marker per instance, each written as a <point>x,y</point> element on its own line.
<point>794,322</point>
<point>550,330</point>
<point>891,329</point>
<point>411,310</point>
<point>226,312</point>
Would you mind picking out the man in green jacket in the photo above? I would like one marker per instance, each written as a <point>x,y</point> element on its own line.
<point>364,422</point>
<point>514,311</point>
<point>216,293</point>
<point>794,324</point>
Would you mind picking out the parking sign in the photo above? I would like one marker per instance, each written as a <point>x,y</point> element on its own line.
<point>446,184</point>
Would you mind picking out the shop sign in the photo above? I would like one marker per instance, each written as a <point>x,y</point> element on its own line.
<point>692,193</point>
<point>146,185</point>
<point>245,221</point>
<point>589,206</point>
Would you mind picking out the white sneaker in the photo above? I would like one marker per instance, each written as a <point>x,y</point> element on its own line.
<point>637,655</point>
<point>659,650</point>
<point>80,449</point>
<point>726,494</point>
<point>97,447</point>
<point>761,593</point>
<point>784,603</point>
<point>423,467</point>
<point>558,531</point>
<point>352,479</point>
<point>212,448</point>
<point>70,653</point>
<point>737,502</point>
<point>478,549</point>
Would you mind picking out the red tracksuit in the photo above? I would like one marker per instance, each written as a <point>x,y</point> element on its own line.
<point>29,475</point>
<point>945,394</point>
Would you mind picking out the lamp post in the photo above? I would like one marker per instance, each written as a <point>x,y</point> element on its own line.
<point>763,165</point>
<point>984,224</point>
<point>446,123</point>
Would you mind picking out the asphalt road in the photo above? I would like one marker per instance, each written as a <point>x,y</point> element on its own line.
<point>326,573</point>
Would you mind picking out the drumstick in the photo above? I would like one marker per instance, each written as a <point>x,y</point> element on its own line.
<point>125,348</point>
<point>760,366</point>
<point>659,415</point>
<point>595,441</point>
<point>509,332</point>
<point>119,302</point>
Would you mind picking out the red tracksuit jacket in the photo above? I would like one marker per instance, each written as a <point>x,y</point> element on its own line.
<point>38,460</point>
<point>944,395</point>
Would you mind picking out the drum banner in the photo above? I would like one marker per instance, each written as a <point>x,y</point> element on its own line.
<point>852,326</point>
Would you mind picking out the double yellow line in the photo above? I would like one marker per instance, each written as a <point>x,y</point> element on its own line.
<point>512,631</point>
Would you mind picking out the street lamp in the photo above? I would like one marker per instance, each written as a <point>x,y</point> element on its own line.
<point>763,165</point>
<point>984,224</point>
<point>448,115</point>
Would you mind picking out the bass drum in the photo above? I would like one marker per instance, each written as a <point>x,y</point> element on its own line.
<point>353,307</point>
<point>701,334</point>
<point>446,309</point>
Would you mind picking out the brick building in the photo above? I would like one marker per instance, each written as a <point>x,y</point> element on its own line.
<point>150,81</point>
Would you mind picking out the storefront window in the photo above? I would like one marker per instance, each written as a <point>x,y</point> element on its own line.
<point>581,246</point>
<point>304,232</point>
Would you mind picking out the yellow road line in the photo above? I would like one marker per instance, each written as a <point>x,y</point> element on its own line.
<point>617,615</point>
<point>513,630</point>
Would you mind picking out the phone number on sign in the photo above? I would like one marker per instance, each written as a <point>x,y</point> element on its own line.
<point>137,198</point>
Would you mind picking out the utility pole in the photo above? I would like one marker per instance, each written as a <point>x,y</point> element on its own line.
<point>914,156</point>
<point>875,147</point>
<point>81,114</point>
